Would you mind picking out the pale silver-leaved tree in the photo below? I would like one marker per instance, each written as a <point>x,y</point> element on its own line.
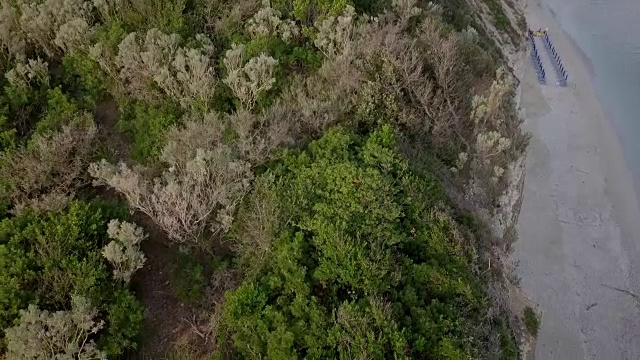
<point>24,74</point>
<point>74,35</point>
<point>199,191</point>
<point>494,147</point>
<point>248,80</point>
<point>335,33</point>
<point>190,78</point>
<point>124,252</point>
<point>186,74</point>
<point>139,59</point>
<point>12,40</point>
<point>267,22</point>
<point>492,165</point>
<point>64,335</point>
<point>56,26</point>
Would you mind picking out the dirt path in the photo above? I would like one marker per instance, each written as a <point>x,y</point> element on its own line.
<point>579,226</point>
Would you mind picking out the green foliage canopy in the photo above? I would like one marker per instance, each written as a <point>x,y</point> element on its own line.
<point>46,257</point>
<point>368,264</point>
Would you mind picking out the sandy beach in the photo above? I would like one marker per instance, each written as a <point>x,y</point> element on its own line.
<point>579,226</point>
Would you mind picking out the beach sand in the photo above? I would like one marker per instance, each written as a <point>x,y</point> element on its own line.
<point>579,226</point>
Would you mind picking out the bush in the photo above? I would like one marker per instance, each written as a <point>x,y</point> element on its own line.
<point>55,27</point>
<point>124,252</point>
<point>367,266</point>
<point>46,257</point>
<point>307,11</point>
<point>257,224</point>
<point>85,79</point>
<point>500,19</point>
<point>198,193</point>
<point>124,322</point>
<point>248,80</point>
<point>45,174</point>
<point>148,124</point>
<point>61,110</point>
<point>63,334</point>
<point>531,321</point>
<point>166,15</point>
<point>148,66</point>
<point>7,132</point>
<point>25,94</point>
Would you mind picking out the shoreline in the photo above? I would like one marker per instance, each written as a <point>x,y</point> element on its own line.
<point>579,225</point>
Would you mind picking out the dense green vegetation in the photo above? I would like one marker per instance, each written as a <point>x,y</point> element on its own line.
<point>46,257</point>
<point>531,321</point>
<point>369,264</point>
<point>296,168</point>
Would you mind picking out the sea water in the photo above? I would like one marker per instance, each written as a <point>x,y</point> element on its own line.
<point>608,34</point>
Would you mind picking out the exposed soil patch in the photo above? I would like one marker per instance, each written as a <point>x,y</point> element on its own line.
<point>115,142</point>
<point>164,313</point>
<point>173,329</point>
<point>106,114</point>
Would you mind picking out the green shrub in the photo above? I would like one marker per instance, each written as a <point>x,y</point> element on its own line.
<point>124,320</point>
<point>148,124</point>
<point>166,15</point>
<point>480,62</point>
<point>111,34</point>
<point>46,257</point>
<point>289,56</point>
<point>23,106</point>
<point>307,11</point>
<point>376,105</point>
<point>292,60</point>
<point>7,132</point>
<point>502,21</point>
<point>62,249</point>
<point>531,321</point>
<point>371,7</point>
<point>499,17</point>
<point>60,110</point>
<point>508,347</point>
<point>259,219</point>
<point>85,79</point>
<point>368,265</point>
<point>457,13</point>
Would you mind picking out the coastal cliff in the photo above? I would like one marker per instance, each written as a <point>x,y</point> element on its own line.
<point>502,217</point>
<point>286,179</point>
